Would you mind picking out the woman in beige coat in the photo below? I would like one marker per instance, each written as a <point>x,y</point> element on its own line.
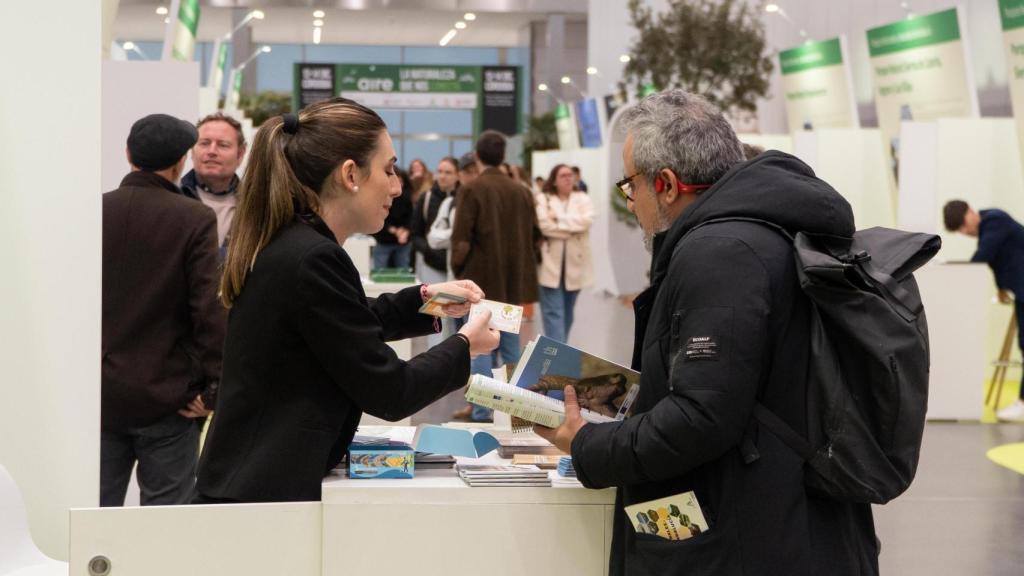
<point>564,215</point>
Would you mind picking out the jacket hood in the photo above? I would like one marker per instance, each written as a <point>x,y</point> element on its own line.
<point>776,187</point>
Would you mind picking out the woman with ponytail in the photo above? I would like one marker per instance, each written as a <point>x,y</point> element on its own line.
<point>306,353</point>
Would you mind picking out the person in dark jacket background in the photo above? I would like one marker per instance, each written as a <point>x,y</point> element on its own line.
<point>393,249</point>
<point>306,351</point>
<point>723,324</point>
<point>1001,246</point>
<point>431,263</point>
<point>163,327</point>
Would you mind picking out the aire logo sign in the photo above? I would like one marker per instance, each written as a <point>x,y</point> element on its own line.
<point>376,85</point>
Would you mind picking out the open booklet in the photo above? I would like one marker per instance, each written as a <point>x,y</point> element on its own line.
<point>602,386</point>
<point>523,403</point>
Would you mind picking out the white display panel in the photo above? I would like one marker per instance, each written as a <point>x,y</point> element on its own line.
<point>226,540</point>
<point>132,90</point>
<point>50,234</point>
<point>975,160</point>
<point>852,162</point>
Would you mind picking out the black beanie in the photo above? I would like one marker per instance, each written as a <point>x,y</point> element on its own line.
<point>158,141</point>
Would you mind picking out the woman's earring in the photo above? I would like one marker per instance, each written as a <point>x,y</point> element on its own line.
<point>355,188</point>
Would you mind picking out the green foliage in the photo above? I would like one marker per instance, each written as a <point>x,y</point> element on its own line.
<point>265,105</point>
<point>540,135</point>
<point>715,48</point>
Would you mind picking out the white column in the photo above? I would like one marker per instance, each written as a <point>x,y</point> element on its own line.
<point>50,236</point>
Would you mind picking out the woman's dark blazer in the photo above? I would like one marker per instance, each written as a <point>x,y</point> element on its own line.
<point>305,356</point>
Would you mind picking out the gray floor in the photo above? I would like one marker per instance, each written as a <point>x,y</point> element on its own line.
<point>963,515</point>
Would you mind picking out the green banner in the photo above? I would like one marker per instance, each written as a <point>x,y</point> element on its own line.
<point>561,111</point>
<point>188,15</point>
<point>185,26</point>
<point>811,55</point>
<point>222,57</point>
<point>914,32</point>
<point>414,79</point>
<point>1011,12</point>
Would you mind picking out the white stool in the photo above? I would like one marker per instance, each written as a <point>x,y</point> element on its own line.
<point>18,553</point>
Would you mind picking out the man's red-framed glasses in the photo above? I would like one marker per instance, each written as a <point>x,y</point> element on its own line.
<point>625,187</point>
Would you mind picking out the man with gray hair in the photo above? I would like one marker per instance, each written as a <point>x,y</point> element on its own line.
<point>723,326</point>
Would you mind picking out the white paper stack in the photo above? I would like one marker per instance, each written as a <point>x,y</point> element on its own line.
<point>503,475</point>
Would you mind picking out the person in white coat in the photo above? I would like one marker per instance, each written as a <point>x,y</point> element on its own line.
<point>565,215</point>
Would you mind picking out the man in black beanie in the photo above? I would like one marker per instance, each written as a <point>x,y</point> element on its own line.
<point>163,328</point>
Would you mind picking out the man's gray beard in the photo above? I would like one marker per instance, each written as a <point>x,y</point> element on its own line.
<point>664,223</point>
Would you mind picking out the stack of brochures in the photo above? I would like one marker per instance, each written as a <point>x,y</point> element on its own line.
<point>565,467</point>
<point>543,461</point>
<point>510,444</point>
<point>502,475</point>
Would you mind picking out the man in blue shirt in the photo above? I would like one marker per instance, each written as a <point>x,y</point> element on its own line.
<point>1001,246</point>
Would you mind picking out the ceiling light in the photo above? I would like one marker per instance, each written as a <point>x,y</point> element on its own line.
<point>460,25</point>
<point>566,80</point>
<point>161,10</point>
<point>469,16</point>
<point>318,23</point>
<point>624,58</point>
<point>129,45</point>
<point>591,70</point>
<point>265,49</point>
<point>542,87</point>
<point>316,35</point>
<point>771,8</point>
<point>318,14</point>
<point>447,37</point>
<point>258,14</point>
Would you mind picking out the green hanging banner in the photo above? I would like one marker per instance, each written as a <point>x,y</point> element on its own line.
<point>920,71</point>
<point>817,85</point>
<point>184,29</point>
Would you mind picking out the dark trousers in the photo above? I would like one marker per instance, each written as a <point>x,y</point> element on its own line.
<point>166,453</point>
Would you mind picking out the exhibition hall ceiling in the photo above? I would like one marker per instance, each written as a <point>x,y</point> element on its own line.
<point>363,22</point>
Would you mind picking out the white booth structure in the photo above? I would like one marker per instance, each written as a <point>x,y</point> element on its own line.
<point>975,160</point>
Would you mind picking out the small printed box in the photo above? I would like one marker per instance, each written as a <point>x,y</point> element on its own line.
<point>381,461</point>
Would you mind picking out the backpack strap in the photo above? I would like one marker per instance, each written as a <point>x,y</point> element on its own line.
<point>895,295</point>
<point>783,431</point>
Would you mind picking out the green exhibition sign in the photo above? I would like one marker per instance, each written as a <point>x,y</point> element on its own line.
<point>1011,14</point>
<point>491,92</point>
<point>394,86</point>
<point>920,72</point>
<point>816,86</point>
<point>914,32</point>
<point>811,55</point>
<point>186,23</point>
<point>566,128</point>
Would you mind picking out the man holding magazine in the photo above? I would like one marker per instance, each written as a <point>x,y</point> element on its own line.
<point>723,325</point>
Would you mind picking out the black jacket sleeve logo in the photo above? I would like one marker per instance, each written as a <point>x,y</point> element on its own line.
<point>701,348</point>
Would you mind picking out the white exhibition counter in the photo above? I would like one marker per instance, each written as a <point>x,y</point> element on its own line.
<point>433,524</point>
<point>437,525</point>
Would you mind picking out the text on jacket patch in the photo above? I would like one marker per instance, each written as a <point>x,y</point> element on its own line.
<point>701,348</point>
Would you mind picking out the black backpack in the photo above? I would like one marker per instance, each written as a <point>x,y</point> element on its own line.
<point>868,373</point>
